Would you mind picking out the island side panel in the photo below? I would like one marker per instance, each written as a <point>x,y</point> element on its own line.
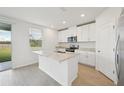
<point>72,69</point>
<point>55,69</point>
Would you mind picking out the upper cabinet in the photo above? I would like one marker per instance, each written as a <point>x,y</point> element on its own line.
<point>63,35</point>
<point>84,33</point>
<point>92,32</point>
<point>72,31</point>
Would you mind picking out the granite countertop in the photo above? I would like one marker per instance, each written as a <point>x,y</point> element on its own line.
<point>61,57</point>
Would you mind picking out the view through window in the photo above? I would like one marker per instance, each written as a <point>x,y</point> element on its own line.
<point>35,39</point>
<point>5,46</point>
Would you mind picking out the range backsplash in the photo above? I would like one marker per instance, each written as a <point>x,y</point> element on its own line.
<point>81,44</point>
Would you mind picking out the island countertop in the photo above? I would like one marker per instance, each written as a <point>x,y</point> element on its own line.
<point>57,56</point>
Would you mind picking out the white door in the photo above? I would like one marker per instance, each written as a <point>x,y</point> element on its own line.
<point>105,49</point>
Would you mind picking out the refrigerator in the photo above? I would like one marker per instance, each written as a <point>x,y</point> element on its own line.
<point>120,50</point>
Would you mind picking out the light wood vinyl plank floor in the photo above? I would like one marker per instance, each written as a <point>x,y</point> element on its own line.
<point>88,76</point>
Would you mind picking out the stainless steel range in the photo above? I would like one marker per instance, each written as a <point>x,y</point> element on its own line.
<point>72,48</point>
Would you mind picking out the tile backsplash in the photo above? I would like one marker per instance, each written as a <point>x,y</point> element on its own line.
<point>81,44</point>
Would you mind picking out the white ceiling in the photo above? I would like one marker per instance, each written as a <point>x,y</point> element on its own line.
<point>54,16</point>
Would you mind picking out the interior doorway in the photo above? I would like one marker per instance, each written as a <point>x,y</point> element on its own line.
<point>5,46</point>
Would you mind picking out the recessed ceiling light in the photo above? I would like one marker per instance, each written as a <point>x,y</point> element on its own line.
<point>64,22</point>
<point>82,15</point>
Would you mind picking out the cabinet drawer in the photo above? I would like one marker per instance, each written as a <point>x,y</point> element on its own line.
<point>87,58</point>
<point>91,58</point>
<point>83,58</point>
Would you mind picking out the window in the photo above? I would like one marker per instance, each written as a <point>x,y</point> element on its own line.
<point>35,39</point>
<point>5,44</point>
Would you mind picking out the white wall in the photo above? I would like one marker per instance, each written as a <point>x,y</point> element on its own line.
<point>21,51</point>
<point>50,38</point>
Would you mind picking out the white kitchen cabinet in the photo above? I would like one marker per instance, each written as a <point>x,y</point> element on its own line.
<point>92,32</point>
<point>68,33</point>
<point>82,33</point>
<point>87,57</point>
<point>63,35</point>
<point>72,31</point>
<point>83,58</point>
<point>91,58</point>
<point>86,33</point>
<point>79,34</point>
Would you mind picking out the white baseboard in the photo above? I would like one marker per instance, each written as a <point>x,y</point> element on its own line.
<point>23,65</point>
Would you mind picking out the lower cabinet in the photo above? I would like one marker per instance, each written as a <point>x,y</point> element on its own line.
<point>91,58</point>
<point>87,58</point>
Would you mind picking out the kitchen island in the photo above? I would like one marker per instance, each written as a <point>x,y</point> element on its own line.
<point>63,67</point>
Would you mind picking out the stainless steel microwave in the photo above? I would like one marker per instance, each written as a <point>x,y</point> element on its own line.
<point>72,39</point>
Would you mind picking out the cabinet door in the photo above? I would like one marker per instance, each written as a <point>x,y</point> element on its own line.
<point>82,33</point>
<point>73,31</point>
<point>87,58</point>
<point>83,58</point>
<point>65,35</point>
<point>92,32</point>
<point>91,58</point>
<point>79,34</point>
<point>68,33</point>
<point>85,33</point>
